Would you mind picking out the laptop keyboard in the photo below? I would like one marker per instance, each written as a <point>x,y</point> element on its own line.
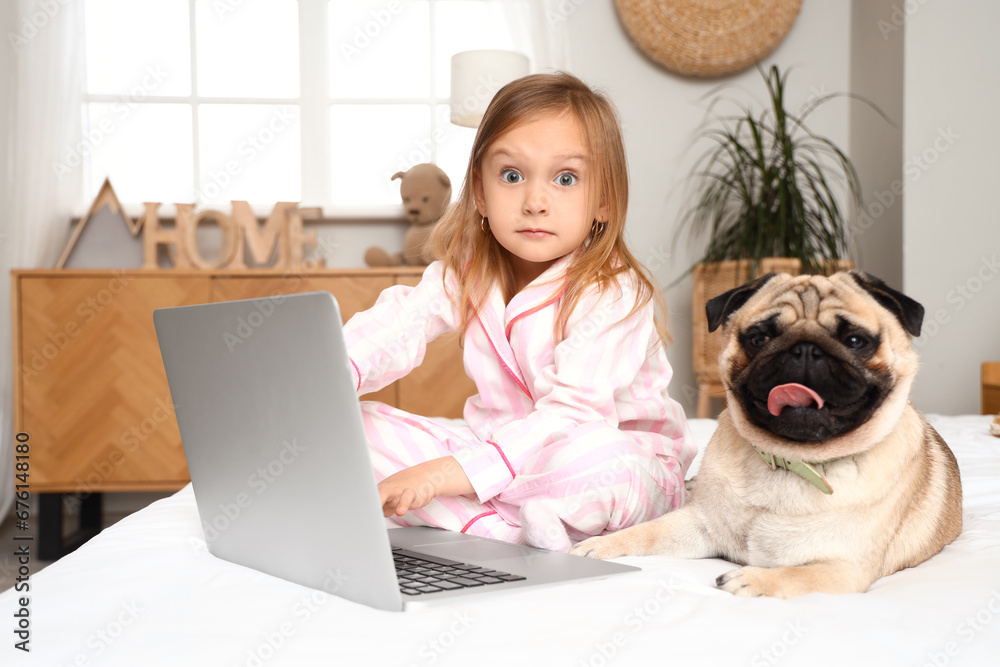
<point>420,573</point>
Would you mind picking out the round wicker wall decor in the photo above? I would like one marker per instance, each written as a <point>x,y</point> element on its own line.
<point>707,37</point>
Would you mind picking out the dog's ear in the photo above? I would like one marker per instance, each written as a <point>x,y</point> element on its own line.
<point>909,313</point>
<point>718,309</point>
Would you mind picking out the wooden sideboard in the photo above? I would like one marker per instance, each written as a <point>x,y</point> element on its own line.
<point>991,387</point>
<point>89,385</point>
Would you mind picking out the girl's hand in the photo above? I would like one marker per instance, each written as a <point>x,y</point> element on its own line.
<point>406,490</point>
<point>414,487</point>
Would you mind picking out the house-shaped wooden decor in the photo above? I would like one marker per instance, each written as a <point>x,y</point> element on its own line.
<point>112,240</point>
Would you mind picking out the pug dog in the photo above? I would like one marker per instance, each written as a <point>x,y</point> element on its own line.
<point>821,476</point>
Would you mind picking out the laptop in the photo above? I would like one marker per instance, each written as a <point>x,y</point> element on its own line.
<point>272,430</point>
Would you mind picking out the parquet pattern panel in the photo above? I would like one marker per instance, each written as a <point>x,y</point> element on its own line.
<point>94,394</point>
<point>90,387</point>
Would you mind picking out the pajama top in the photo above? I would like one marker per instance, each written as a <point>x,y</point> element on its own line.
<point>610,370</point>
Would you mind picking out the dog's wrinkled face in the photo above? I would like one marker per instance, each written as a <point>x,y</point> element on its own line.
<point>809,358</point>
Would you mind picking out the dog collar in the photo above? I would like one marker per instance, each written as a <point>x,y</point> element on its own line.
<point>800,468</point>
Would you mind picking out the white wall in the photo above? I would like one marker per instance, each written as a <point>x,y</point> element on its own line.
<point>876,144</point>
<point>7,66</point>
<point>951,235</point>
<point>661,112</point>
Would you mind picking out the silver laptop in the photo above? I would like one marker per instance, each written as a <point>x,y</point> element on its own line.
<point>276,448</point>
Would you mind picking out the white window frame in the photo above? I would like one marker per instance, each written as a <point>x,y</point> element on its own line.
<point>316,100</point>
<point>314,103</point>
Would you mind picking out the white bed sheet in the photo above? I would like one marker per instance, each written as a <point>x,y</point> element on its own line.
<point>146,592</point>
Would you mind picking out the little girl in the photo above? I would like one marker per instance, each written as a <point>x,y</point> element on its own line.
<point>572,433</point>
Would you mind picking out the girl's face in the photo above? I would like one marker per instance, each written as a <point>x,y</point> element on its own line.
<point>534,187</point>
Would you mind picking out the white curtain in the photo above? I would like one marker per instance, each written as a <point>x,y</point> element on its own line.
<point>539,30</point>
<point>43,106</point>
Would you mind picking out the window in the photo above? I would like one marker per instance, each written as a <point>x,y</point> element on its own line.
<point>312,101</point>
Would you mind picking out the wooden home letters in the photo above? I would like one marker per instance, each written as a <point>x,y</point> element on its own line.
<point>284,227</point>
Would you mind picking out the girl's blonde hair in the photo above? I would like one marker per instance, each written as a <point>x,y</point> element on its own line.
<point>475,256</point>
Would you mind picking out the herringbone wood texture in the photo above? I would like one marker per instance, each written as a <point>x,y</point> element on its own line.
<point>94,396</point>
<point>91,390</point>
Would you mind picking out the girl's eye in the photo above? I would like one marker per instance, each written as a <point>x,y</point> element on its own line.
<point>566,179</point>
<point>510,176</point>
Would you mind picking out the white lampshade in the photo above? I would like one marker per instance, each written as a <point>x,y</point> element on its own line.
<point>476,76</point>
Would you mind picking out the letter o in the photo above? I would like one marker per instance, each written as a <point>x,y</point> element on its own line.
<point>228,227</point>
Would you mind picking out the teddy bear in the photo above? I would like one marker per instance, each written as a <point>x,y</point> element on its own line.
<point>426,192</point>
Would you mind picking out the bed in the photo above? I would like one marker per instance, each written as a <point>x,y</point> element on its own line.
<point>147,592</point>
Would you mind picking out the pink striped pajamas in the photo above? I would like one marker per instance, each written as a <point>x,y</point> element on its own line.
<point>562,442</point>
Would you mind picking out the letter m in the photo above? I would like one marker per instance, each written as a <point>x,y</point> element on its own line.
<point>261,238</point>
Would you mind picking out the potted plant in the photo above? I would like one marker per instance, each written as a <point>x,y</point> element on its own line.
<point>772,196</point>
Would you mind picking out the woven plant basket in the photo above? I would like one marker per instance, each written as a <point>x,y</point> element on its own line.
<point>710,280</point>
<point>707,38</point>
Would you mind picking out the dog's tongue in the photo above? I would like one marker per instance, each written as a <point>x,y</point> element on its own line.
<point>792,394</point>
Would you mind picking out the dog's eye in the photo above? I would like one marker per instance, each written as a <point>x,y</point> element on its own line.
<point>757,339</point>
<point>856,342</point>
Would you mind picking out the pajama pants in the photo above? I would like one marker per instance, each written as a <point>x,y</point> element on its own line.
<point>600,481</point>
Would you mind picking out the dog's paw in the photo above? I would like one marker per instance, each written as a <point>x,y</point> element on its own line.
<point>749,582</point>
<point>790,581</point>
<point>608,546</point>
